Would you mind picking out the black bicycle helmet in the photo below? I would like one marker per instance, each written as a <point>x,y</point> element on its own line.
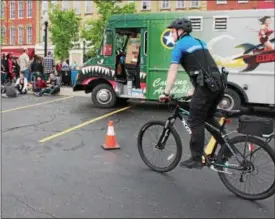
<point>181,23</point>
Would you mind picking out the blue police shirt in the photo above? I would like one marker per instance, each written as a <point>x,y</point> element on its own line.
<point>193,56</point>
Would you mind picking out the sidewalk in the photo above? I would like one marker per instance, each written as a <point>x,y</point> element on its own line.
<point>64,91</point>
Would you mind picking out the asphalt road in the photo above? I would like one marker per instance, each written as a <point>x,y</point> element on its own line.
<point>72,176</point>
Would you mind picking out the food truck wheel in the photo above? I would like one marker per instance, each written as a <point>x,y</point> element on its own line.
<point>230,101</point>
<point>104,96</point>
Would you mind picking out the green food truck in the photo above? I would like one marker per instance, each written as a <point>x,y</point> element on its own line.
<point>134,57</point>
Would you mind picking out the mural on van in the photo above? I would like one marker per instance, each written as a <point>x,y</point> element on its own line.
<point>253,55</point>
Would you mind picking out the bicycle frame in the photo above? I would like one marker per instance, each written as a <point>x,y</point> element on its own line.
<point>179,112</point>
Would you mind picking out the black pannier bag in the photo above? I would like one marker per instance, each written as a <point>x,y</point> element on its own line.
<point>255,126</point>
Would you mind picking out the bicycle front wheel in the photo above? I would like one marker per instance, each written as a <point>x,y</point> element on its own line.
<point>259,159</point>
<point>170,157</point>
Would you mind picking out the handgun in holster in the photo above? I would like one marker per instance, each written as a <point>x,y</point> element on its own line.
<point>198,76</point>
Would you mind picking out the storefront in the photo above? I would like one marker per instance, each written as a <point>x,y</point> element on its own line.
<point>16,52</point>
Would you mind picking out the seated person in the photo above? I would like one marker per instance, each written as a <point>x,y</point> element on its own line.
<point>8,90</point>
<point>39,85</point>
<point>54,87</point>
<point>21,84</point>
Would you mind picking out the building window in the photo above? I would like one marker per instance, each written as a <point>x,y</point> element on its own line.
<point>180,4</point>
<point>77,7</point>
<point>20,9</point>
<point>12,36</point>
<point>220,2</point>
<point>29,9</point>
<point>3,5</point>
<point>165,4</point>
<point>3,35</point>
<point>146,4</point>
<point>54,2</point>
<point>20,35</point>
<point>65,5</point>
<point>29,35</point>
<point>12,9</point>
<point>195,3</point>
<point>242,1</point>
<point>88,6</point>
<point>45,6</point>
<point>43,33</point>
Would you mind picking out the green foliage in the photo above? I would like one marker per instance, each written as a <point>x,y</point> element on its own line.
<point>105,10</point>
<point>64,28</point>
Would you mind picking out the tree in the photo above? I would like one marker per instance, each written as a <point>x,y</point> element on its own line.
<point>105,10</point>
<point>64,28</point>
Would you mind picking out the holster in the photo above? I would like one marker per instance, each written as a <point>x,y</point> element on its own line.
<point>214,82</point>
<point>197,77</point>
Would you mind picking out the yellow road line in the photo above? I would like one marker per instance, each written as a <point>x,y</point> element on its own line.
<point>83,124</point>
<point>37,104</point>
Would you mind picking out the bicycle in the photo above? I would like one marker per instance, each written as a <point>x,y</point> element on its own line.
<point>215,162</point>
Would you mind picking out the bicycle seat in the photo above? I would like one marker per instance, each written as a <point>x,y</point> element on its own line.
<point>228,113</point>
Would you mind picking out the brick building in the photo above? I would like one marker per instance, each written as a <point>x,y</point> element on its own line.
<point>169,5</point>
<point>265,4</point>
<point>19,25</point>
<point>232,5</point>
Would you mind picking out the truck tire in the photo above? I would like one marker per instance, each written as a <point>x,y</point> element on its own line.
<point>231,100</point>
<point>104,96</point>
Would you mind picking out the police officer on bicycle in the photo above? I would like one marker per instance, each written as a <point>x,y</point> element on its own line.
<point>207,80</point>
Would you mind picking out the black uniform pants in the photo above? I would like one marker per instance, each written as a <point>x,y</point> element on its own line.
<point>202,109</point>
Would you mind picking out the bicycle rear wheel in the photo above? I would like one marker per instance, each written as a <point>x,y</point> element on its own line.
<point>254,146</point>
<point>172,158</point>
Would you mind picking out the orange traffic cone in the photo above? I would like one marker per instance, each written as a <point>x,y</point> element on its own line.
<point>110,140</point>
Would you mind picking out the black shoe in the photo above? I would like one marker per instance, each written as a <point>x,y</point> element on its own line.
<point>191,164</point>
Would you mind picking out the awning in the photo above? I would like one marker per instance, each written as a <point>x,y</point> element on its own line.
<point>16,52</point>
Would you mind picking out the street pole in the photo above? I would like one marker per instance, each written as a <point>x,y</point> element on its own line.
<point>84,44</point>
<point>46,37</point>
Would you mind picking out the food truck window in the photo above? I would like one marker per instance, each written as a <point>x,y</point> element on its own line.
<point>120,41</point>
<point>107,45</point>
